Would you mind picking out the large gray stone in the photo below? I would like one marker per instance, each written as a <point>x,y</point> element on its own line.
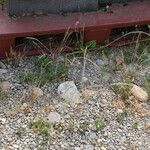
<point>69,92</point>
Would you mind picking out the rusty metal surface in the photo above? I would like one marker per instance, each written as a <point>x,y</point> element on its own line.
<point>137,13</point>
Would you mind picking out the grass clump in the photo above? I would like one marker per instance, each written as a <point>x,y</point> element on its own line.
<point>140,55</point>
<point>70,125</point>
<point>104,68</point>
<point>105,51</point>
<point>41,126</point>
<point>130,75</point>
<point>99,123</point>
<point>121,116</point>
<point>144,54</point>
<point>46,70</point>
<point>144,59</point>
<point>83,127</point>
<point>2,94</point>
<point>147,84</point>
<point>87,46</point>
<point>123,90</point>
<point>28,77</point>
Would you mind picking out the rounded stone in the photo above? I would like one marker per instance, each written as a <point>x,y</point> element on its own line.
<point>54,117</point>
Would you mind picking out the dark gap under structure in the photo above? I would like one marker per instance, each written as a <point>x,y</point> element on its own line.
<point>45,7</point>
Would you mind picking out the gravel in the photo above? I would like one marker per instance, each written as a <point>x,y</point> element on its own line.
<point>17,110</point>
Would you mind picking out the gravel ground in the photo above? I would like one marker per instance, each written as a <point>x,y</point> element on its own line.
<point>17,110</point>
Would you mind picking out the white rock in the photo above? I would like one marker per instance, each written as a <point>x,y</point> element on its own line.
<point>54,117</point>
<point>92,135</point>
<point>3,120</point>
<point>99,62</point>
<point>3,71</point>
<point>99,140</point>
<point>84,79</point>
<point>69,92</point>
<point>5,85</point>
<point>119,111</point>
<point>15,146</point>
<point>24,106</point>
<point>103,148</point>
<point>139,93</point>
<point>36,92</point>
<point>89,147</point>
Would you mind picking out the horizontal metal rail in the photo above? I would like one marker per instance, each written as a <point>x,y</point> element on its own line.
<point>96,25</point>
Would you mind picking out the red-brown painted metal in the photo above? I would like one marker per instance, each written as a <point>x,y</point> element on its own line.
<point>96,25</point>
<point>100,35</point>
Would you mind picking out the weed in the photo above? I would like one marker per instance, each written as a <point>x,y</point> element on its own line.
<point>49,71</point>
<point>123,90</point>
<point>28,77</point>
<point>84,49</point>
<point>83,127</point>
<point>46,71</point>
<point>141,54</point>
<point>41,126</point>
<point>62,70</point>
<point>99,123</point>
<point>104,51</point>
<point>2,94</point>
<point>121,116</point>
<point>135,124</point>
<point>88,45</point>
<point>104,68</point>
<point>43,62</point>
<point>130,75</point>
<point>128,56</point>
<point>20,131</point>
<point>144,54</point>
<point>144,59</point>
<point>70,125</point>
